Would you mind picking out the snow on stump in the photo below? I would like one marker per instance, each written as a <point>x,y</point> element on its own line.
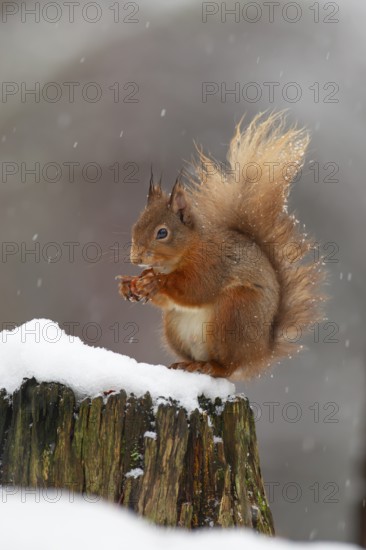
<point>180,457</point>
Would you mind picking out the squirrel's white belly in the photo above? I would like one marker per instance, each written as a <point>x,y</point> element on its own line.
<point>192,325</point>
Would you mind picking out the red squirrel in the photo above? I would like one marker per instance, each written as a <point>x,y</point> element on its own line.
<point>224,260</point>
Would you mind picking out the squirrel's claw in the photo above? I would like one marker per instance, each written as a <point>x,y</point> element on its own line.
<point>126,288</point>
<point>146,285</point>
<point>140,288</point>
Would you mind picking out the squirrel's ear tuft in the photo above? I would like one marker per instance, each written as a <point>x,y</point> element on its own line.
<point>155,191</point>
<point>179,203</point>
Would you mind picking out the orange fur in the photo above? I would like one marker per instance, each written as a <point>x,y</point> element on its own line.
<point>234,275</point>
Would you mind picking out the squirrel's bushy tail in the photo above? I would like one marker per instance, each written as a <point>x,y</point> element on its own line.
<point>250,196</point>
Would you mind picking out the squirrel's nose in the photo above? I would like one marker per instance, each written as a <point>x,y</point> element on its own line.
<point>139,255</point>
<point>136,253</point>
<point>136,258</point>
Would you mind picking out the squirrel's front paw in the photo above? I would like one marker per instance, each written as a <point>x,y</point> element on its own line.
<point>127,288</point>
<point>146,285</point>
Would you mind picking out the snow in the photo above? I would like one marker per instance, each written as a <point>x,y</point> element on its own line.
<point>40,519</point>
<point>136,472</point>
<point>41,349</point>
<point>151,435</point>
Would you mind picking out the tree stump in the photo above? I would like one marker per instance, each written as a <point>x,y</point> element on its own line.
<point>176,469</point>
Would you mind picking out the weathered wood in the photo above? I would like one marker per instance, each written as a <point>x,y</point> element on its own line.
<point>176,469</point>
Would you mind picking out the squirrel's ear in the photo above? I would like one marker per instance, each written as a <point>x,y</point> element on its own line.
<point>154,189</point>
<point>179,204</point>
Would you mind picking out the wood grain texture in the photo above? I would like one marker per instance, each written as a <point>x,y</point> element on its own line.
<point>192,470</point>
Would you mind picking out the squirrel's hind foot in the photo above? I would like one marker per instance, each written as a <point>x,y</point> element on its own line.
<point>204,367</point>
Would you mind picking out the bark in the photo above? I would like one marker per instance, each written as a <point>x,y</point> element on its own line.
<point>195,470</point>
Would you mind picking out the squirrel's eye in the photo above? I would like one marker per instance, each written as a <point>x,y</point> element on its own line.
<point>162,233</point>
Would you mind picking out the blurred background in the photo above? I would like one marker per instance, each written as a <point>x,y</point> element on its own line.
<point>91,95</point>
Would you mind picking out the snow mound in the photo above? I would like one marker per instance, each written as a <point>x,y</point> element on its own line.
<point>41,349</point>
<point>40,519</point>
